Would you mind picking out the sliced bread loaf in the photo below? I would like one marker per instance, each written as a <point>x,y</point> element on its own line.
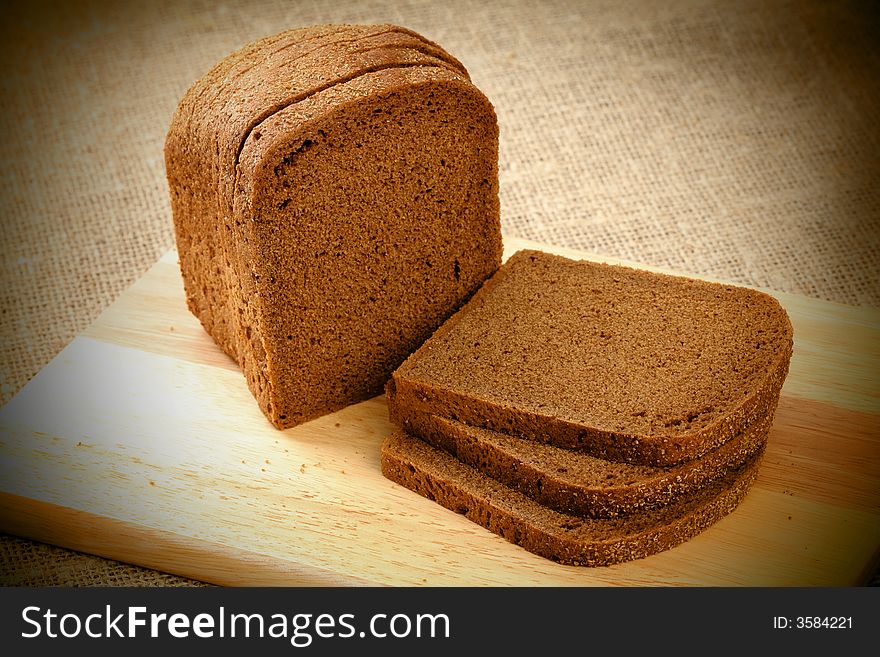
<point>563,538</point>
<point>319,245</point>
<point>623,364</point>
<point>576,483</point>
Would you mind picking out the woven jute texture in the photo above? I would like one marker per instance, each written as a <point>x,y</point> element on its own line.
<point>737,140</point>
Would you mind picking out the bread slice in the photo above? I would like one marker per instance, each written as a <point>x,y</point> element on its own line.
<point>576,483</point>
<point>623,364</point>
<point>563,538</point>
<point>318,247</point>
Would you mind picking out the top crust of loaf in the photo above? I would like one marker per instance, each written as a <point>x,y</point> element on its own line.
<point>624,364</point>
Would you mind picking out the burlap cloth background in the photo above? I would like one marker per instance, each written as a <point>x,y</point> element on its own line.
<point>736,140</point>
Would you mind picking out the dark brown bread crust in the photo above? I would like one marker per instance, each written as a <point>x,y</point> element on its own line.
<point>193,144</point>
<point>560,537</point>
<point>623,364</point>
<point>576,483</point>
<point>241,278</point>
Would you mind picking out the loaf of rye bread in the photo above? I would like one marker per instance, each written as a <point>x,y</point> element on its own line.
<point>564,538</point>
<point>335,198</point>
<point>623,364</point>
<point>576,483</point>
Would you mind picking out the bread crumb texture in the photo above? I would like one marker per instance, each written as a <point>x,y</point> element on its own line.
<point>625,364</point>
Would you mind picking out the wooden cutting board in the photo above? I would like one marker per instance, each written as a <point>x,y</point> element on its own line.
<point>141,442</point>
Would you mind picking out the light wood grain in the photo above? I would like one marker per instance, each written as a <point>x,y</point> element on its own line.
<point>140,442</point>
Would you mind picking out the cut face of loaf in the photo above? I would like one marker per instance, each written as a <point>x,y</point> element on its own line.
<point>564,538</point>
<point>623,364</point>
<point>576,483</point>
<point>335,199</point>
